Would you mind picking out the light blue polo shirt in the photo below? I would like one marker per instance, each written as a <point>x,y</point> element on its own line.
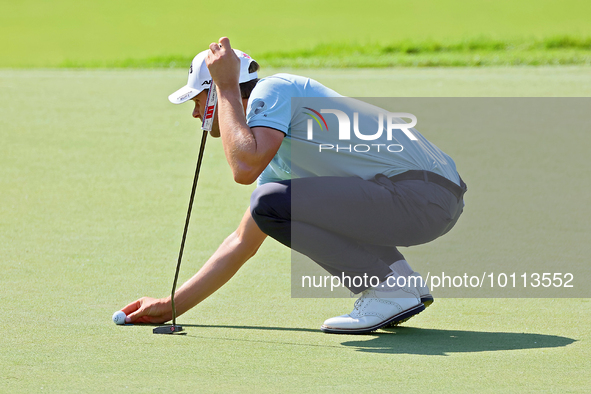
<point>286,103</point>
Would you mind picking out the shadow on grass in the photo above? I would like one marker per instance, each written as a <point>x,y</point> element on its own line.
<point>419,341</point>
<point>422,341</point>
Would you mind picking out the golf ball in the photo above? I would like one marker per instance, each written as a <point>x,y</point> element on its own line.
<point>119,317</point>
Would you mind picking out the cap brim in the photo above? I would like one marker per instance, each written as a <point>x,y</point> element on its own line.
<point>185,93</point>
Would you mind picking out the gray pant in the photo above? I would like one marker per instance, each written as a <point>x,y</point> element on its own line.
<point>352,226</point>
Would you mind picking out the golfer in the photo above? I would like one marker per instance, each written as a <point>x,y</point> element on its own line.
<point>355,203</point>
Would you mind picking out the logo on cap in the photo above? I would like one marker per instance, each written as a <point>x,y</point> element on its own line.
<point>184,96</point>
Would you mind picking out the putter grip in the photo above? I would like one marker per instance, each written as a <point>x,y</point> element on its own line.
<point>210,107</point>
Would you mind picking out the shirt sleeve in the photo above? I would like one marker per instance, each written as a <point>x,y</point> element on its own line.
<point>267,176</point>
<point>270,104</point>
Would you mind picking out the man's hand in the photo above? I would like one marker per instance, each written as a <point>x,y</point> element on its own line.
<point>223,64</point>
<point>148,310</point>
<point>248,151</point>
<point>240,246</point>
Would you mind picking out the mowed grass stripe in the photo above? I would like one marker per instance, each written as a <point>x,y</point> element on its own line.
<point>556,50</point>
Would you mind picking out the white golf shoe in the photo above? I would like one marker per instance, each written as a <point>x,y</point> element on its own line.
<point>376,309</point>
<point>426,297</point>
<point>421,285</point>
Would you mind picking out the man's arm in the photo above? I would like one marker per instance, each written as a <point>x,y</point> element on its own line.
<point>240,246</point>
<point>248,151</point>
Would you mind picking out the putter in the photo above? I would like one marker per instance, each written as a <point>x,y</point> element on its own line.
<point>210,106</point>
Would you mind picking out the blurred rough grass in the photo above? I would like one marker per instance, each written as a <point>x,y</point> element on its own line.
<point>556,50</point>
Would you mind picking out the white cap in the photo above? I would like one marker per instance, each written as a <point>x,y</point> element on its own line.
<point>200,79</point>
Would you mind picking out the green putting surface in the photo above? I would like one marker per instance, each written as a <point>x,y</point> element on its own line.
<point>96,175</point>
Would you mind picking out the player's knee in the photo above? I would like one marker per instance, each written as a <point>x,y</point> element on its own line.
<point>270,203</point>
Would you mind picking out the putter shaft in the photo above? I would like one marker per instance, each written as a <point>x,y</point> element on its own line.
<point>206,126</point>
<point>178,265</point>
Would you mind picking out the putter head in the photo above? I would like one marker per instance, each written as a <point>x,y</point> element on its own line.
<point>172,329</point>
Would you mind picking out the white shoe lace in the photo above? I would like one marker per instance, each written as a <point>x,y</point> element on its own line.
<point>360,300</point>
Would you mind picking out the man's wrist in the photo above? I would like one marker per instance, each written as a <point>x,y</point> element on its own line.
<point>166,302</point>
<point>228,90</point>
